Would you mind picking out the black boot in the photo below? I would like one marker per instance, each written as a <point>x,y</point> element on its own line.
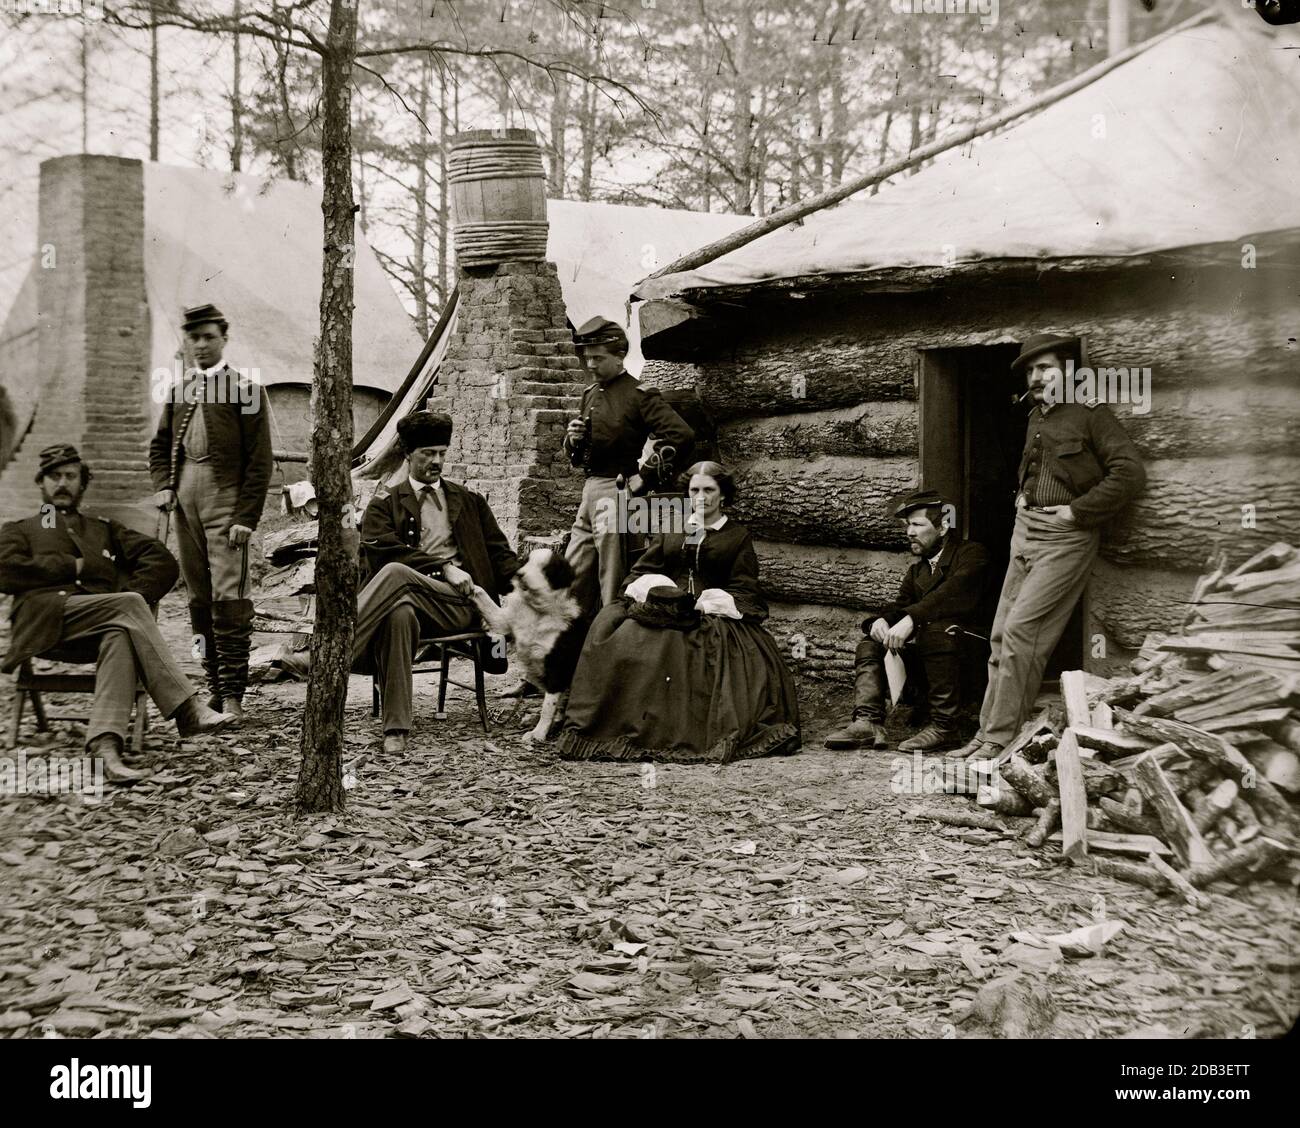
<point>232,622</point>
<point>204,647</point>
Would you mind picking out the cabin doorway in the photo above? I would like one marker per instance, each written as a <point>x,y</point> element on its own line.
<point>972,433</point>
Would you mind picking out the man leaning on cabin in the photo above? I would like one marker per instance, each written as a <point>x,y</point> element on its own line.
<point>77,578</point>
<point>426,544</point>
<point>211,462</point>
<point>616,418</point>
<point>942,590</point>
<point>1079,469</point>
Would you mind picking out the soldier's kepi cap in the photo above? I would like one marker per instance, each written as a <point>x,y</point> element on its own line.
<point>201,315</point>
<point>52,457</point>
<point>1041,343</point>
<point>600,331</point>
<point>424,429</point>
<point>919,499</point>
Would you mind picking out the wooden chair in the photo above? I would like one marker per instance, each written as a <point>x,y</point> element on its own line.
<point>28,683</point>
<point>443,649</point>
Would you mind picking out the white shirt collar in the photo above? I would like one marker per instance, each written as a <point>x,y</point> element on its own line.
<point>693,522</point>
<point>417,485</point>
<point>205,372</point>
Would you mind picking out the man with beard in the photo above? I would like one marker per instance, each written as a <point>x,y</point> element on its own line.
<point>426,545</point>
<point>940,591</point>
<point>211,461</point>
<point>77,577</point>
<point>1078,470</point>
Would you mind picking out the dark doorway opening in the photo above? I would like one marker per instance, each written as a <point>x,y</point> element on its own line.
<point>972,433</point>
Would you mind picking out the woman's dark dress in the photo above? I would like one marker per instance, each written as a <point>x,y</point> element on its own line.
<point>714,693</point>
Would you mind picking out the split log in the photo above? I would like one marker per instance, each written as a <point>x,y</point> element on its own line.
<point>1220,644</point>
<point>1039,749</point>
<point>1098,778</point>
<point>1129,871</point>
<point>1028,731</point>
<point>1049,818</point>
<point>1258,580</point>
<point>1150,655</point>
<point>1074,797</point>
<point>1111,742</point>
<point>1124,818</point>
<point>1238,863</point>
<point>1288,734</point>
<point>1179,883</point>
<point>1179,830</point>
<point>1253,719</point>
<point>1202,689</point>
<point>1217,804</point>
<point>1102,716</point>
<point>1197,775</point>
<point>1281,665</point>
<point>1258,700</point>
<point>1112,843</point>
<point>1243,815</point>
<point>1280,766</point>
<point>1074,692</point>
<point>1267,559</point>
<point>1225,617</point>
<point>1262,795</point>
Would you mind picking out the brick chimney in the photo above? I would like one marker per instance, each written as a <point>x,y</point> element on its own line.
<point>92,354</point>
<point>511,380</point>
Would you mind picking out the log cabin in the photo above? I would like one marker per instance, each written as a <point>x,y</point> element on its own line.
<point>866,350</point>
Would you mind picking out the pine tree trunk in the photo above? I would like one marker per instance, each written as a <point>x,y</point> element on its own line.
<point>153,92</point>
<point>420,284</point>
<point>236,109</point>
<point>320,780</point>
<point>559,120</point>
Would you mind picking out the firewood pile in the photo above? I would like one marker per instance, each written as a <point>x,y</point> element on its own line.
<point>1186,773</point>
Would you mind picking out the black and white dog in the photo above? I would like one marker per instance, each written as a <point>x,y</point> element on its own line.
<point>543,620</point>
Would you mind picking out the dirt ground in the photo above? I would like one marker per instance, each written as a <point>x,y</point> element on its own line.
<point>479,887</point>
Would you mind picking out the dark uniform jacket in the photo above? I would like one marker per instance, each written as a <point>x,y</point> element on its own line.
<point>623,415</point>
<point>948,593</point>
<point>38,566</point>
<point>1080,455</point>
<point>239,442</point>
<point>390,534</point>
<point>724,558</point>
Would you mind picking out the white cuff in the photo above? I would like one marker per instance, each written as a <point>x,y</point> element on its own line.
<point>715,601</point>
<point>640,587</point>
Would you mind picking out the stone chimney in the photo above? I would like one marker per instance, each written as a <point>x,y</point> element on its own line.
<point>92,352</point>
<point>510,377</point>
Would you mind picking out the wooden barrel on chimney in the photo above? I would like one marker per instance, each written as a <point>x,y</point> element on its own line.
<point>498,197</point>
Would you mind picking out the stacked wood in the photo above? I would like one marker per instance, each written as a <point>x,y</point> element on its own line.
<point>1191,766</point>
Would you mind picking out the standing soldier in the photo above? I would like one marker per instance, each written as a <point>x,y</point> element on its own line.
<point>211,462</point>
<point>606,440</point>
<point>1078,470</point>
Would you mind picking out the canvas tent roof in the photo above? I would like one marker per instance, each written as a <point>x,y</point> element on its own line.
<point>253,248</point>
<point>599,251</point>
<point>1196,141</point>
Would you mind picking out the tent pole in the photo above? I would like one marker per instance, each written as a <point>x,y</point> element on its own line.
<point>797,211</point>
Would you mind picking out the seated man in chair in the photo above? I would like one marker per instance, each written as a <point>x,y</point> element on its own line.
<point>75,577</point>
<point>425,545</point>
<point>940,591</point>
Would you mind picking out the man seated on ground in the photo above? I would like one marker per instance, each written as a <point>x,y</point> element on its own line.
<point>425,545</point>
<point>941,590</point>
<point>77,577</point>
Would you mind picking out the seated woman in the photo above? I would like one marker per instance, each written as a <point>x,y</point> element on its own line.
<point>680,668</point>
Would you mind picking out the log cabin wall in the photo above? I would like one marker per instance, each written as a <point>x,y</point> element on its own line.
<point>815,395</point>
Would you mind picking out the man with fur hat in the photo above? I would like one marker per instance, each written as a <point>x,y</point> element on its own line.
<point>1078,471</point>
<point>425,546</point>
<point>616,418</point>
<point>942,590</point>
<point>211,462</point>
<point>91,580</point>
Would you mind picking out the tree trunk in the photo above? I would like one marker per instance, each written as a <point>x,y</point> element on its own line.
<point>742,124</point>
<point>320,782</point>
<point>420,285</point>
<point>85,84</point>
<point>442,187</point>
<point>153,92</point>
<point>236,109</point>
<point>818,178</point>
<point>559,120</point>
<point>839,145</point>
<point>588,125</point>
